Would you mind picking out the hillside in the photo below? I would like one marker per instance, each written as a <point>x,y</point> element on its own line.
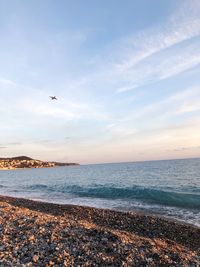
<point>22,162</point>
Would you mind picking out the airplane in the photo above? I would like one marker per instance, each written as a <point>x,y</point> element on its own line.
<point>53,97</point>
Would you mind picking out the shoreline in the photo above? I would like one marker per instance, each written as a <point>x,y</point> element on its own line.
<point>138,211</point>
<point>46,234</point>
<point>32,168</point>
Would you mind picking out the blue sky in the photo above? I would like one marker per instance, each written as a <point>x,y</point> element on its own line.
<point>126,73</point>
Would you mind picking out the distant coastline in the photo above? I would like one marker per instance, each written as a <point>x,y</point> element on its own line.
<point>24,162</point>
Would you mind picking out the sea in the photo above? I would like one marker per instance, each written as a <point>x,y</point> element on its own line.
<point>169,188</point>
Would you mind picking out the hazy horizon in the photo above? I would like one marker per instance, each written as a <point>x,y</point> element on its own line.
<point>126,74</point>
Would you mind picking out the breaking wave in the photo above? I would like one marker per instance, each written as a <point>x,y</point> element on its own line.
<point>150,195</point>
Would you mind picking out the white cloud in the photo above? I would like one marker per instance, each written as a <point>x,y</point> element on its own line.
<point>6,82</point>
<point>120,131</point>
<point>162,66</point>
<point>188,106</point>
<point>185,94</point>
<point>151,55</point>
<point>181,26</point>
<point>179,64</point>
<point>38,105</point>
<point>160,52</point>
<point>164,111</point>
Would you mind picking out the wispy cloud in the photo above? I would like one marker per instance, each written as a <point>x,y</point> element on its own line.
<point>37,105</point>
<point>120,131</point>
<point>5,81</point>
<point>180,27</point>
<point>178,64</point>
<point>138,53</point>
<point>165,66</point>
<point>183,101</point>
<point>188,106</point>
<point>150,55</point>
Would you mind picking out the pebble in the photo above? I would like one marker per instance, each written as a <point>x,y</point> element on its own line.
<point>35,258</point>
<point>43,234</point>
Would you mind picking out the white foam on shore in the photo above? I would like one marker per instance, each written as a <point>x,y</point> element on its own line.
<point>182,215</point>
<point>190,216</point>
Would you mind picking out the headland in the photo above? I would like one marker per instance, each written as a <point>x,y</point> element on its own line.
<point>22,162</point>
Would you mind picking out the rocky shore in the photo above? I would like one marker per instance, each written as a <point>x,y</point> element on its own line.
<point>34,233</point>
<point>22,162</point>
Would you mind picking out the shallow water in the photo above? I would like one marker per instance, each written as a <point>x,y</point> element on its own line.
<point>170,188</point>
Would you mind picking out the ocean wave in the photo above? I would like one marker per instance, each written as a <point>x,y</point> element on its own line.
<point>147,195</point>
<point>37,187</point>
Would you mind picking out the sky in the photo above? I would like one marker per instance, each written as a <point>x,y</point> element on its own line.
<point>126,74</point>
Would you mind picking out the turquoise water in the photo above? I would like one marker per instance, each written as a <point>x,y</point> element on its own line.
<point>170,188</point>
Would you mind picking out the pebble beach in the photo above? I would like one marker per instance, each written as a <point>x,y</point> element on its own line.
<point>34,233</point>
